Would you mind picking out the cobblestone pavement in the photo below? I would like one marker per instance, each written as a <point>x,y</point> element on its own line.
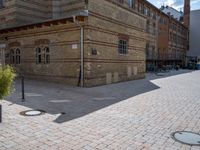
<point>135,115</point>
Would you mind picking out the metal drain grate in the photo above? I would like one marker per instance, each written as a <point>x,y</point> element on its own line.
<point>186,137</point>
<point>32,113</point>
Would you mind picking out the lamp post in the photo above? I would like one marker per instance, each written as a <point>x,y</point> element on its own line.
<point>23,95</point>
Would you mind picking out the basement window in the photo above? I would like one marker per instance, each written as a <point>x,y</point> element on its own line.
<point>94,51</point>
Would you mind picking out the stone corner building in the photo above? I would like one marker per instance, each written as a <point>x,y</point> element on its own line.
<point>78,42</point>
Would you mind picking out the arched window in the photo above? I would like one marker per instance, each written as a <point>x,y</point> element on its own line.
<point>12,56</point>
<point>46,55</point>
<point>38,56</point>
<point>18,60</point>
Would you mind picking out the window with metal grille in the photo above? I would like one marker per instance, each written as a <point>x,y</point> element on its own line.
<point>46,55</point>
<point>12,56</point>
<point>38,56</point>
<point>18,60</point>
<point>123,46</point>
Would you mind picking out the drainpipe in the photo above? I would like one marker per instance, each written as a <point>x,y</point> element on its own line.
<point>82,50</point>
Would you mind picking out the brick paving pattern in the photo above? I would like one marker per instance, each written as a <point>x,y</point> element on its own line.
<point>135,115</point>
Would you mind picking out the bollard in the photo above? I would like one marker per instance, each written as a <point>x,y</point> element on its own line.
<point>23,95</point>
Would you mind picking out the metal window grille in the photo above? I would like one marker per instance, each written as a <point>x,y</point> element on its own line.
<point>38,56</point>
<point>123,47</point>
<point>12,56</point>
<point>18,59</point>
<point>46,55</point>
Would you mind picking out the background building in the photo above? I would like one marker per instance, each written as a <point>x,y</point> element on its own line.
<point>167,35</point>
<point>194,34</point>
<point>178,15</point>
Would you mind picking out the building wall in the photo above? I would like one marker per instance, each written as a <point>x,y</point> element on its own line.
<point>66,8</point>
<point>194,34</point>
<point>150,12</point>
<point>70,7</point>
<point>8,14</point>
<point>21,12</point>
<point>63,42</point>
<point>56,8</point>
<point>108,21</point>
<point>33,11</point>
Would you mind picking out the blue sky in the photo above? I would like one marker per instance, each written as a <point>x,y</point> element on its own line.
<point>177,4</point>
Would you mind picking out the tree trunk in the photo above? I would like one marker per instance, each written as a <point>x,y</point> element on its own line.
<point>0,113</point>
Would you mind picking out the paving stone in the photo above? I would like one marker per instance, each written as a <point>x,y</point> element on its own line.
<point>132,115</point>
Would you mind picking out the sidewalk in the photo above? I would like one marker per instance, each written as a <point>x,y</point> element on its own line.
<point>131,115</point>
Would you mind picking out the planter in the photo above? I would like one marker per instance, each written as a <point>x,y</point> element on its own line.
<point>0,113</point>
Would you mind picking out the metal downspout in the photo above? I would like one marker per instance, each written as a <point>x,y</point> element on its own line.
<point>82,50</point>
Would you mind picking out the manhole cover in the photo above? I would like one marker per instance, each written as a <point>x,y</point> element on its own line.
<point>186,137</point>
<point>32,113</point>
